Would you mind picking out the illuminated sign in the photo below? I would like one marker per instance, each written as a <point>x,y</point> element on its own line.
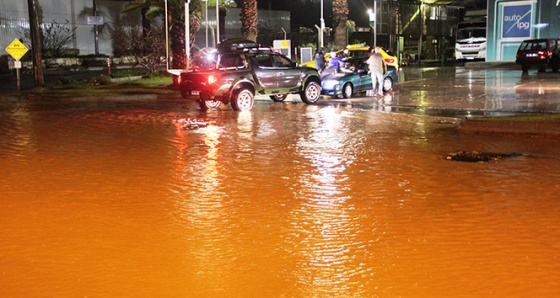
<point>516,21</point>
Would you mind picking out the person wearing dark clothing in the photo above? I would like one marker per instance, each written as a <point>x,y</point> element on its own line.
<point>320,59</point>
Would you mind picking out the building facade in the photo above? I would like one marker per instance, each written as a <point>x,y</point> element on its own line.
<point>93,30</point>
<point>512,21</point>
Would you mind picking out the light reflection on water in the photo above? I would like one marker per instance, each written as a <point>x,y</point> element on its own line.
<point>286,200</point>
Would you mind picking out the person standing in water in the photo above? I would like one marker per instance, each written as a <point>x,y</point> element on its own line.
<point>377,68</point>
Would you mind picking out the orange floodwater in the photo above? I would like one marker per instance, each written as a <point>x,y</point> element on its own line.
<point>123,199</point>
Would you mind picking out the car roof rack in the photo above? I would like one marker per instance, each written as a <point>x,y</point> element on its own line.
<point>236,45</point>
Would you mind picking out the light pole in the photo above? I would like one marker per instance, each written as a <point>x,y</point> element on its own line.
<point>95,31</point>
<point>372,23</point>
<point>322,20</point>
<point>421,33</point>
<point>217,23</point>
<point>375,21</point>
<point>206,19</point>
<point>187,34</point>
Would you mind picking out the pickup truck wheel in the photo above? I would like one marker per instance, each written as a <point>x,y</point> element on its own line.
<point>347,90</point>
<point>209,104</point>
<point>278,97</point>
<point>387,84</point>
<point>243,100</point>
<point>524,68</point>
<point>311,93</point>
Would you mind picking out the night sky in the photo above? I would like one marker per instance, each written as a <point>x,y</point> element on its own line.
<point>308,15</point>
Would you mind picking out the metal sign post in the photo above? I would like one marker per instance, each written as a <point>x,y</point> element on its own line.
<point>17,49</point>
<point>17,66</point>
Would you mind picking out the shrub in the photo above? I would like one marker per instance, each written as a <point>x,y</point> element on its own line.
<point>65,81</point>
<point>100,80</point>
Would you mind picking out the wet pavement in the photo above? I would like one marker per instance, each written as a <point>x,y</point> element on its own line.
<point>456,91</point>
<point>478,89</point>
<point>465,92</point>
<point>125,198</point>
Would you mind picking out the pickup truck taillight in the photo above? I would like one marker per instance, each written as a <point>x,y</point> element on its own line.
<point>211,79</point>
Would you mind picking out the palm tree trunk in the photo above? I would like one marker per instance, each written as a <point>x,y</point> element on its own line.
<point>340,18</point>
<point>177,40</point>
<point>249,20</point>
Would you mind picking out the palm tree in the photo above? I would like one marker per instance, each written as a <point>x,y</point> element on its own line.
<point>176,17</point>
<point>340,18</point>
<point>249,19</point>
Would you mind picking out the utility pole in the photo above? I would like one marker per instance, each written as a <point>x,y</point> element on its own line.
<point>35,42</point>
<point>217,22</point>
<point>95,30</point>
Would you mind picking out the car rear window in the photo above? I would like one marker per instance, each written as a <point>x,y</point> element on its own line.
<point>533,45</point>
<point>232,60</point>
<point>358,54</point>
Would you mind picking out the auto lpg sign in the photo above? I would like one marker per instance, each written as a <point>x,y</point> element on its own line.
<point>516,21</point>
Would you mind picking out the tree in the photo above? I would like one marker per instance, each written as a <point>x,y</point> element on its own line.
<point>176,18</point>
<point>57,38</point>
<point>249,20</point>
<point>147,47</point>
<point>340,18</point>
<point>33,9</point>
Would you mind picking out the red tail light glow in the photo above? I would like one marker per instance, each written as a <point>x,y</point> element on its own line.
<point>211,79</point>
<point>390,60</point>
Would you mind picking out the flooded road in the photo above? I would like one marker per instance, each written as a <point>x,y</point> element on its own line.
<point>126,199</point>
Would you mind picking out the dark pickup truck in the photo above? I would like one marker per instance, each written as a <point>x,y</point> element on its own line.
<point>238,70</point>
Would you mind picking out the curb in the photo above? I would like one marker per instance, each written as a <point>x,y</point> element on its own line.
<point>516,127</point>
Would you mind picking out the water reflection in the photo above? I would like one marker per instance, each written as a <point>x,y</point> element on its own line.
<point>321,225</point>
<point>286,200</point>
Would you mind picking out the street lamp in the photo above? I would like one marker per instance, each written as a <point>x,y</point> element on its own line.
<point>372,22</point>
<point>421,33</point>
<point>95,30</point>
<point>187,33</point>
<point>217,23</point>
<point>322,20</point>
<point>206,19</point>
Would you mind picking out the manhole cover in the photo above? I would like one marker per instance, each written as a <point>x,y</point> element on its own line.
<point>475,156</point>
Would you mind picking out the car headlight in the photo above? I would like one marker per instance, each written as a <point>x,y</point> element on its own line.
<point>330,84</point>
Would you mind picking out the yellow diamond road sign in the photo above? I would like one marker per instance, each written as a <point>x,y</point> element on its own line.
<point>16,49</point>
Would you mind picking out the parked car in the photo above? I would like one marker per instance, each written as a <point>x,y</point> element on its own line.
<point>360,51</point>
<point>543,53</point>
<point>239,69</point>
<point>354,78</point>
